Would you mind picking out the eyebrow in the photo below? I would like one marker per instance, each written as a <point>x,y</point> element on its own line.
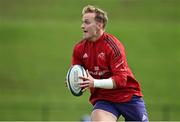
<point>85,20</point>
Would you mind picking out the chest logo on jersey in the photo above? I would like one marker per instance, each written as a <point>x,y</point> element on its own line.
<point>96,68</point>
<point>85,56</point>
<point>101,55</point>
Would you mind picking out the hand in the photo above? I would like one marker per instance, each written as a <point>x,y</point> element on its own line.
<point>88,82</point>
<point>65,83</point>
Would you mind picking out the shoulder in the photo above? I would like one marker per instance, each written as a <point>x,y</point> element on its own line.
<point>80,44</point>
<point>111,38</point>
<point>114,44</point>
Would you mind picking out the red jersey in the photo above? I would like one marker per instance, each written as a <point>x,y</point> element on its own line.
<point>106,58</point>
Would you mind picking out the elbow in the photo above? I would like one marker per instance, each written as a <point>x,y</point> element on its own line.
<point>119,82</point>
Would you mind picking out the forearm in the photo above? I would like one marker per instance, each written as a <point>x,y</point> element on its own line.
<point>104,83</point>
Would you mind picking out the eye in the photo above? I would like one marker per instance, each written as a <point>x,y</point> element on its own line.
<point>86,22</point>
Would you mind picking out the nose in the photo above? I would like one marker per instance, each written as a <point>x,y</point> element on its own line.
<point>82,26</point>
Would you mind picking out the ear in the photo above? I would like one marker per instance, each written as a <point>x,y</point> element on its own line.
<point>100,25</point>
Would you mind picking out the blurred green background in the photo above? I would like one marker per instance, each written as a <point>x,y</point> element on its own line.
<point>36,43</point>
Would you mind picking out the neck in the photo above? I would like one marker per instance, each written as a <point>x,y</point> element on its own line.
<point>98,35</point>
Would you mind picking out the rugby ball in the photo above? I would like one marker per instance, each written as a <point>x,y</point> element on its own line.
<point>73,79</point>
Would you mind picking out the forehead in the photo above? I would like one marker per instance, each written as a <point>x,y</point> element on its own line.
<point>88,16</point>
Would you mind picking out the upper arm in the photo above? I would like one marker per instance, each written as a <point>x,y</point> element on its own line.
<point>76,56</point>
<point>118,64</point>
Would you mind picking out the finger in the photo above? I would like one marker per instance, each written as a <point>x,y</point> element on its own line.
<point>84,85</point>
<point>84,89</point>
<point>87,73</point>
<point>83,78</point>
<point>66,83</point>
<point>84,82</point>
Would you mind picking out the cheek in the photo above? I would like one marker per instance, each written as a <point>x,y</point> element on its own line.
<point>92,29</point>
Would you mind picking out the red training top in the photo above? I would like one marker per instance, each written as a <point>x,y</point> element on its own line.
<point>106,58</point>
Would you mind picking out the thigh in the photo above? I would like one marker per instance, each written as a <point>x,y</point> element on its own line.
<point>102,115</point>
<point>134,110</point>
<point>104,111</point>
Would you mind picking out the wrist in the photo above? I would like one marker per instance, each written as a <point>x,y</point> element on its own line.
<point>103,83</point>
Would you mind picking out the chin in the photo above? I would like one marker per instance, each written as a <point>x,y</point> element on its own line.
<point>86,37</point>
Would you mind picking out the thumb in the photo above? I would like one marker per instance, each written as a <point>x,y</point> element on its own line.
<point>87,73</point>
<point>84,89</point>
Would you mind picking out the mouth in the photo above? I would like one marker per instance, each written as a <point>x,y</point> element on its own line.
<point>85,31</point>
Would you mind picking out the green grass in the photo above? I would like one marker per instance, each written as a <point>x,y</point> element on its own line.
<point>36,42</point>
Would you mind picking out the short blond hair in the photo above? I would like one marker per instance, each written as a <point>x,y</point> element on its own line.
<point>101,16</point>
